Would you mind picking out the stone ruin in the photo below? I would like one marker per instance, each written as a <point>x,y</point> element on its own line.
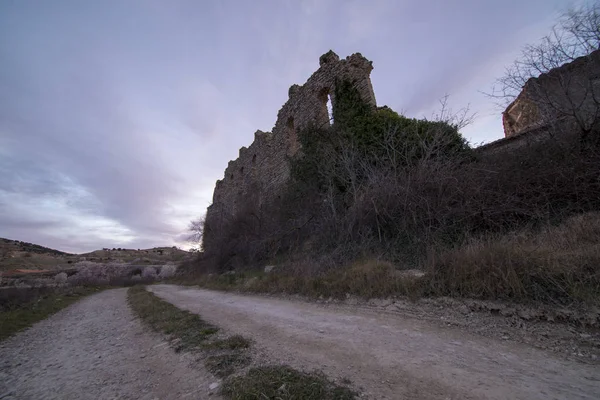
<point>555,102</point>
<point>569,92</point>
<point>263,168</point>
<point>556,105</point>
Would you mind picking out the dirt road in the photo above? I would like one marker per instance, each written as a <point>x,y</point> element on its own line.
<point>96,349</point>
<point>391,357</point>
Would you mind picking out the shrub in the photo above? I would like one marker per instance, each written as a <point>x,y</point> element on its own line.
<point>167,271</point>
<point>149,272</point>
<point>61,278</point>
<point>15,297</point>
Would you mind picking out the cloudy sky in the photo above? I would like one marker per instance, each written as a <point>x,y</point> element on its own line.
<point>118,116</point>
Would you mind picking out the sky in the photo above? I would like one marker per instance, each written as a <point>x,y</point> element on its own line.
<point>117,117</point>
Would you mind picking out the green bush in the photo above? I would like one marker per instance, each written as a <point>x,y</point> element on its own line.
<point>362,138</point>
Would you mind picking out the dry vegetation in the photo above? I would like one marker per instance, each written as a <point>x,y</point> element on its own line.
<point>520,226</point>
<point>553,265</point>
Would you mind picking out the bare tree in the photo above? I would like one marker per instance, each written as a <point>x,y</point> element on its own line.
<point>576,34</point>
<point>196,229</point>
<point>555,84</point>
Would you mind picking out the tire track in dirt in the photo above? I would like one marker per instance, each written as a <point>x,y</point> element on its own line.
<point>390,356</point>
<point>96,349</point>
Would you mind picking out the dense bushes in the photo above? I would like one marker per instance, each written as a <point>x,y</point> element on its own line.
<point>549,264</point>
<point>364,139</point>
<point>377,185</point>
<point>329,182</point>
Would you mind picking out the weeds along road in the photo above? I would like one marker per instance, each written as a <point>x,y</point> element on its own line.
<point>97,349</point>
<point>390,356</point>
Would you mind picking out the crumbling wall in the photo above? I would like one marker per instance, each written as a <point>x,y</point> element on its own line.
<point>571,91</point>
<point>563,131</point>
<point>263,168</point>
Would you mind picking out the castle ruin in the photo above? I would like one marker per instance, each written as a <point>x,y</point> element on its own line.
<point>569,93</point>
<point>563,101</point>
<point>557,105</point>
<point>263,168</point>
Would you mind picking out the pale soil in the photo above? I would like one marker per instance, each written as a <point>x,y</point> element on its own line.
<point>392,355</point>
<point>96,349</point>
<point>577,338</point>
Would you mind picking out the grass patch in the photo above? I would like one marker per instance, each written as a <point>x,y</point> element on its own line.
<point>190,332</point>
<point>231,343</point>
<point>223,365</point>
<point>188,329</point>
<point>284,383</point>
<point>224,357</point>
<point>17,316</point>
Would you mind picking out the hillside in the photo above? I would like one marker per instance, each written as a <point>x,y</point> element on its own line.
<point>141,256</point>
<point>15,254</point>
<point>16,245</point>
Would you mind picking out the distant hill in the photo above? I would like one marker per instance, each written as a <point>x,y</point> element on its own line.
<point>16,245</point>
<point>141,256</point>
<point>15,254</point>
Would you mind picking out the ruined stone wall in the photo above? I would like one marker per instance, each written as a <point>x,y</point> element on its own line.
<point>563,130</point>
<point>262,169</point>
<point>571,91</point>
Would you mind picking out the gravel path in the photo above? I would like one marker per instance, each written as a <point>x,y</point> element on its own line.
<point>391,356</point>
<point>96,349</point>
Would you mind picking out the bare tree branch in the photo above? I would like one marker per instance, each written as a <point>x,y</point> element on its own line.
<point>576,34</point>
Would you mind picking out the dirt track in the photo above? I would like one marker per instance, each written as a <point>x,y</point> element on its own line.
<point>390,356</point>
<point>96,349</point>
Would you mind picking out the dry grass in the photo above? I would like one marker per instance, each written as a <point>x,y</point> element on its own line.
<point>368,279</point>
<point>231,343</point>
<point>557,265</point>
<point>223,365</point>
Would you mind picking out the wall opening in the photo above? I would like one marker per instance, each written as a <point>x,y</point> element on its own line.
<point>329,109</point>
<point>254,158</point>
<point>325,113</point>
<point>242,170</point>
